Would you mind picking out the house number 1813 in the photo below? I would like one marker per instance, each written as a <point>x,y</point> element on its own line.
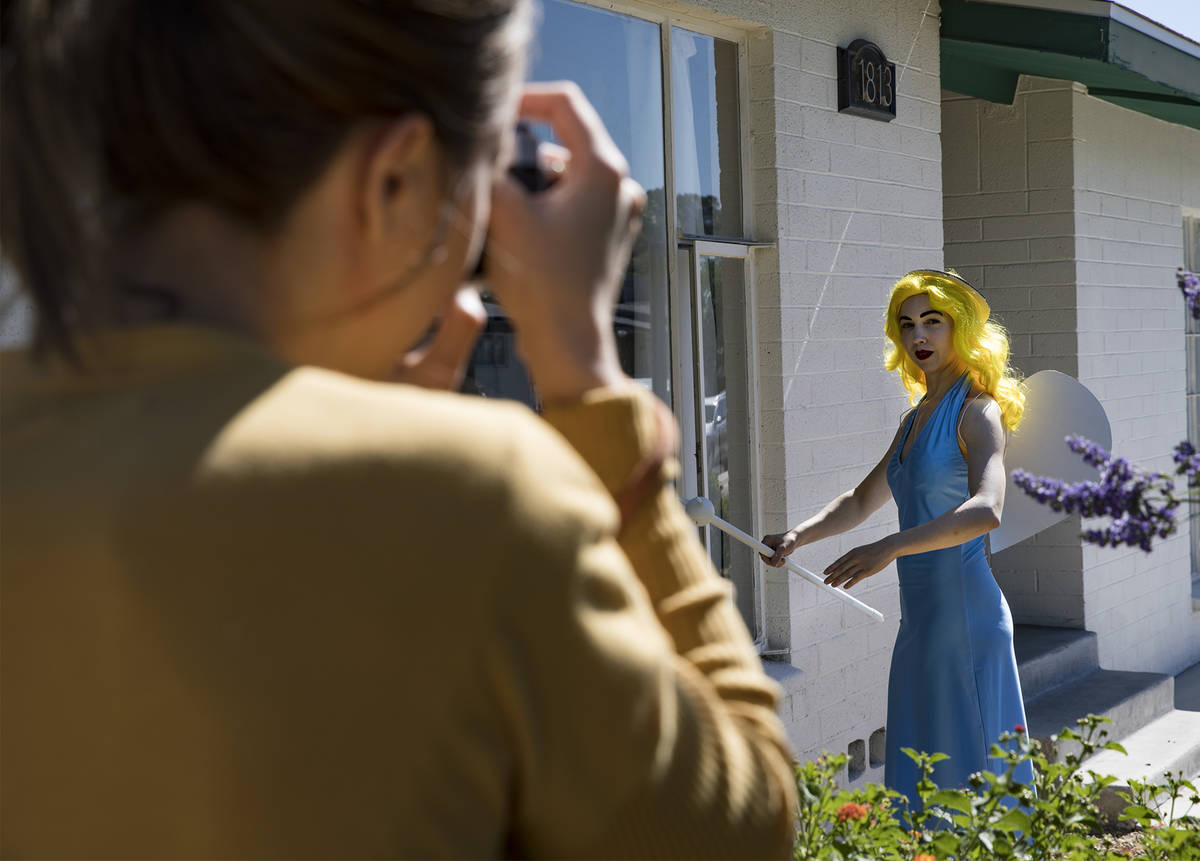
<point>866,81</point>
<point>876,83</point>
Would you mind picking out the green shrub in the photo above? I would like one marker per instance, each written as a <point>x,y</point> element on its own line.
<point>1057,817</point>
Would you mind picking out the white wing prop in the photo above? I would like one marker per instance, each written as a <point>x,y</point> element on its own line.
<point>702,513</point>
<point>1056,407</point>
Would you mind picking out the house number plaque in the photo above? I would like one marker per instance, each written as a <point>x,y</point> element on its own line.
<point>866,82</point>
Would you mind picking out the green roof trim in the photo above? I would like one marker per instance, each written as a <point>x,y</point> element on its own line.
<point>985,46</point>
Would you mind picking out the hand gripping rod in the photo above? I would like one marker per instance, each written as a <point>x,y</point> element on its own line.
<point>702,513</point>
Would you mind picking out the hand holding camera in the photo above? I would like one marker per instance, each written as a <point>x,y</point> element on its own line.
<point>556,257</point>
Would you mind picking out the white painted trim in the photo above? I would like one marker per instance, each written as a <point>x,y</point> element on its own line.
<point>663,16</point>
<point>698,389</point>
<point>721,248</point>
<point>679,379</point>
<point>684,396</point>
<point>741,251</point>
<point>752,409</point>
<point>743,54</point>
<point>1148,26</point>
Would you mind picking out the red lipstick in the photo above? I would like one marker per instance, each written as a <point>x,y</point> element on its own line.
<point>923,354</point>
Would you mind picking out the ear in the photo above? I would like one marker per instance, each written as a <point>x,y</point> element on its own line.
<point>401,188</point>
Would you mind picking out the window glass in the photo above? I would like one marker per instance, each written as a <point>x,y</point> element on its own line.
<point>708,159</point>
<point>616,61</point>
<point>721,317</point>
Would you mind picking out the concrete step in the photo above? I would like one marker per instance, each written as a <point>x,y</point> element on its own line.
<point>1129,700</point>
<point>1170,743</point>
<point>1049,657</point>
<point>1187,689</point>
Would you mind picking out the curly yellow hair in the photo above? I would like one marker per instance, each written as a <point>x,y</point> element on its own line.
<point>981,343</point>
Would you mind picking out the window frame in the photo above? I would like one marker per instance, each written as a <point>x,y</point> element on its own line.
<point>689,379</point>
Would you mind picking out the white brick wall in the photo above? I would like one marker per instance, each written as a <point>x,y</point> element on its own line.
<point>1132,174</point>
<point>1066,211</point>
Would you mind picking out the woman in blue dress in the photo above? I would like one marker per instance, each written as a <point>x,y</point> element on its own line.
<point>953,686</point>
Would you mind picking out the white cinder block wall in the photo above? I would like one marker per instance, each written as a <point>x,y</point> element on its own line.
<point>1067,212</point>
<point>1132,174</point>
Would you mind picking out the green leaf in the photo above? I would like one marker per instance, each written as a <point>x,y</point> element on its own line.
<point>1112,745</point>
<point>952,798</point>
<point>1136,811</point>
<point>1014,820</point>
<point>945,843</point>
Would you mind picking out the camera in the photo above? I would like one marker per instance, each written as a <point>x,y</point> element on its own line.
<point>525,170</point>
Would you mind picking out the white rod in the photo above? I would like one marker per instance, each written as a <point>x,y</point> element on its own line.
<point>701,509</point>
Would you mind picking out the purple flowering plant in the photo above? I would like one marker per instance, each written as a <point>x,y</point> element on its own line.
<point>1140,506</point>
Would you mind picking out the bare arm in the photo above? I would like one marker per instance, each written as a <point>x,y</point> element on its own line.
<point>983,434</point>
<point>844,512</point>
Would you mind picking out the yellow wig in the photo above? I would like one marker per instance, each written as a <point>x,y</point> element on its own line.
<point>981,343</point>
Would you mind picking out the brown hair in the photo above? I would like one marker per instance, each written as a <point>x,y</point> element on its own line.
<point>115,110</point>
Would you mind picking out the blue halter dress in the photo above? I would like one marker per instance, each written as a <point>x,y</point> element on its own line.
<point>953,686</point>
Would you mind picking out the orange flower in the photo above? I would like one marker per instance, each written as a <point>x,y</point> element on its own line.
<point>851,810</point>
<point>924,857</point>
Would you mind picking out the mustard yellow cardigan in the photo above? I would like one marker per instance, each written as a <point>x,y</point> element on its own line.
<point>250,610</point>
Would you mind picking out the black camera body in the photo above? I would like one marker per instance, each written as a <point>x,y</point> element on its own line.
<point>525,170</point>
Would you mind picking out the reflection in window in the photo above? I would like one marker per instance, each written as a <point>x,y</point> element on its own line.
<point>724,375</point>
<point>494,370</point>
<point>616,61</point>
<point>708,159</point>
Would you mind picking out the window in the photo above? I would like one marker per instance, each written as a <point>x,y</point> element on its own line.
<point>670,96</point>
<point>615,59</point>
